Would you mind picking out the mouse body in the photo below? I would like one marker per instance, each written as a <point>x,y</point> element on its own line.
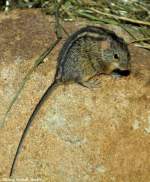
<point>88,52</point>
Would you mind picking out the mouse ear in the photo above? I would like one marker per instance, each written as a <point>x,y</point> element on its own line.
<point>105,44</point>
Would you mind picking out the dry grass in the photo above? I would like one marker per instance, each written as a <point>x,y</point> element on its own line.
<point>133,16</point>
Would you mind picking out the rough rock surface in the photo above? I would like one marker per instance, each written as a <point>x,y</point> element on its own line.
<point>79,135</point>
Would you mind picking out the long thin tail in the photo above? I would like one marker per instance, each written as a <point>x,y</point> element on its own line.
<point>38,106</point>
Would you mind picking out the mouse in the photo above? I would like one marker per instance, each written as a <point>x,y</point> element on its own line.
<point>86,54</point>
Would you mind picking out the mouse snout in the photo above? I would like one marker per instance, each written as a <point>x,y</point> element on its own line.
<point>125,66</point>
<point>123,69</point>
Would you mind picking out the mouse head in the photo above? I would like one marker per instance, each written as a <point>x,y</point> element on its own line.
<point>115,54</point>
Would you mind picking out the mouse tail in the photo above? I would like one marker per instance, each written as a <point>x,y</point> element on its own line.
<point>36,109</point>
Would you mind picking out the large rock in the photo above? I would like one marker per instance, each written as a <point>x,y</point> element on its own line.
<point>79,134</point>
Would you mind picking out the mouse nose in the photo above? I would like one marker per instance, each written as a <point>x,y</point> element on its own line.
<point>125,66</point>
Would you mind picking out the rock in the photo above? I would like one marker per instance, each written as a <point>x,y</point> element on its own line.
<point>79,134</point>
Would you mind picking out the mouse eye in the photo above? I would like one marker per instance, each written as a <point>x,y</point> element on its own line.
<point>116,56</point>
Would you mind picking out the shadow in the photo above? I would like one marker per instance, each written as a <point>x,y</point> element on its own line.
<point>118,72</point>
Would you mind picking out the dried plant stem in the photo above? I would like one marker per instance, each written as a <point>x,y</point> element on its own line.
<point>38,61</point>
<point>143,46</point>
<point>121,18</point>
<point>140,40</point>
<point>26,78</point>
